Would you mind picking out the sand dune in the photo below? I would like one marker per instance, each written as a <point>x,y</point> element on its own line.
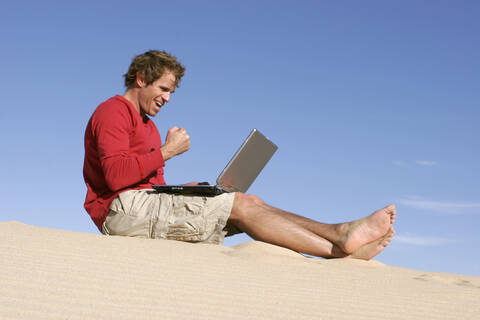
<point>56,274</point>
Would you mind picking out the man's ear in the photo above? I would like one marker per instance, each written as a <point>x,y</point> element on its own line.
<point>140,80</point>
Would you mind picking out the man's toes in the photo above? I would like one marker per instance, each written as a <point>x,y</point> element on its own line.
<point>389,236</point>
<point>391,210</point>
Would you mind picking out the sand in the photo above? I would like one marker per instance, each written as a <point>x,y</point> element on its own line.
<point>57,274</point>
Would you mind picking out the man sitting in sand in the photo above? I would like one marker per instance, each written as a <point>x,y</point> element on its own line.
<point>124,157</point>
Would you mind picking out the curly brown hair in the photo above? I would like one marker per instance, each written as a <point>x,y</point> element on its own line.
<point>152,65</point>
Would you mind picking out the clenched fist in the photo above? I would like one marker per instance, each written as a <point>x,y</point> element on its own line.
<point>176,142</point>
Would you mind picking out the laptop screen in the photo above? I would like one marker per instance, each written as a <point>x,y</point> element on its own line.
<point>246,164</point>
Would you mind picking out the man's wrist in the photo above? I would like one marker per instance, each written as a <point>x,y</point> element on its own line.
<point>166,153</point>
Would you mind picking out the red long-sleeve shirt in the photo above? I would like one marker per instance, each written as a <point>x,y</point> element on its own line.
<point>122,152</point>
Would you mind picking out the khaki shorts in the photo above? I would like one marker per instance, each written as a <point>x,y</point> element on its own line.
<point>149,214</point>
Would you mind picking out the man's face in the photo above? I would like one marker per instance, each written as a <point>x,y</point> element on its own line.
<point>152,97</point>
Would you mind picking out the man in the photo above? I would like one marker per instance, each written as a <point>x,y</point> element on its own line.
<point>124,156</point>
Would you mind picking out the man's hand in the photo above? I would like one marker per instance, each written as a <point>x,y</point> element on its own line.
<point>176,142</point>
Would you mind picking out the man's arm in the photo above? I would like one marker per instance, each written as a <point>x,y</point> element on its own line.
<point>122,170</point>
<point>111,126</point>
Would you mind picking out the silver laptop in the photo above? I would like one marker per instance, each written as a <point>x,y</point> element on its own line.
<point>240,172</point>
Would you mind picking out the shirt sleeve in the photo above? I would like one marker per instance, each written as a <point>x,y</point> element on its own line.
<point>112,128</point>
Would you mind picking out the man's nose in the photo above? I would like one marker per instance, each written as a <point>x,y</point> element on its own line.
<point>166,96</point>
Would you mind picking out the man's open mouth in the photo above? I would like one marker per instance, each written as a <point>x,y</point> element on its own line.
<point>158,104</point>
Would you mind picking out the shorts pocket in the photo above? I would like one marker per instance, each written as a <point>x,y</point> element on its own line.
<point>119,224</point>
<point>187,221</point>
<point>130,215</point>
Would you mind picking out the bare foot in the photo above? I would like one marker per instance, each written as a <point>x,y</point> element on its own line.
<point>357,233</point>
<point>371,249</point>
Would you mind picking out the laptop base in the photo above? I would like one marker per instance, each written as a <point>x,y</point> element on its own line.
<point>199,190</point>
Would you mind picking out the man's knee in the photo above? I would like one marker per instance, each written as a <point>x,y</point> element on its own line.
<point>256,199</point>
<point>244,206</point>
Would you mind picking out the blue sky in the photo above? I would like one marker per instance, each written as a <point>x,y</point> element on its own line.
<point>370,103</point>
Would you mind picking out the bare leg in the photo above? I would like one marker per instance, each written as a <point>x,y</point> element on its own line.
<point>348,236</point>
<point>264,223</point>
